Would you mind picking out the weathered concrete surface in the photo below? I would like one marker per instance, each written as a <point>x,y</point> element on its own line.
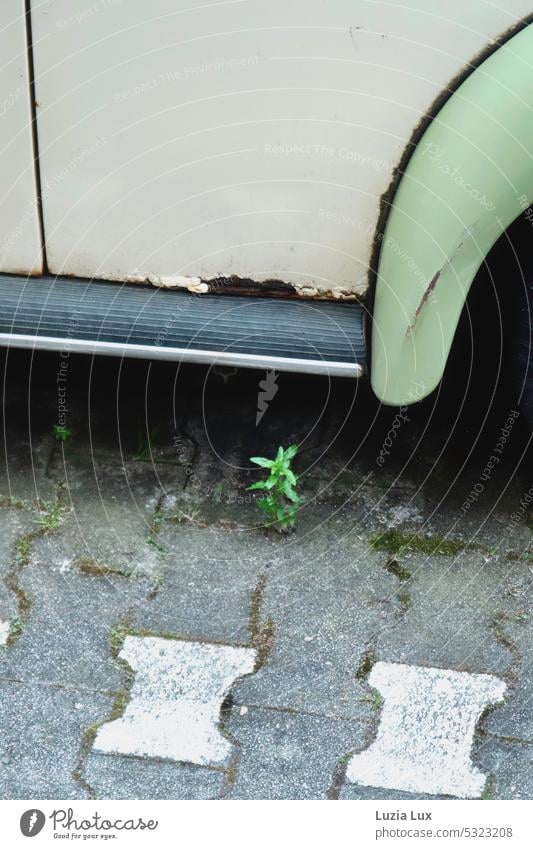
<point>42,728</point>
<point>15,523</point>
<point>66,636</point>
<point>510,766</point>
<point>289,754</point>
<point>207,579</point>
<point>451,604</point>
<point>329,597</point>
<point>146,528</point>
<point>116,777</point>
<point>514,719</point>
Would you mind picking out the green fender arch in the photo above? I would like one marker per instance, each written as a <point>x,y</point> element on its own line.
<point>470,176</point>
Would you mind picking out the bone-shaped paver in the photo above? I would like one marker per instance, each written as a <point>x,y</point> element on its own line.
<point>426,730</point>
<point>175,703</point>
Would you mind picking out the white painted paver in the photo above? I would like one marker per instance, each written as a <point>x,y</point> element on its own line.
<point>426,731</point>
<point>175,700</point>
<point>4,633</point>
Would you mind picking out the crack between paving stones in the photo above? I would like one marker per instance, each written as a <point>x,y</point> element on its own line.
<point>368,659</point>
<point>481,735</point>
<point>182,431</point>
<point>57,685</point>
<point>22,550</point>
<point>498,628</point>
<point>262,640</point>
<point>295,712</point>
<point>120,700</point>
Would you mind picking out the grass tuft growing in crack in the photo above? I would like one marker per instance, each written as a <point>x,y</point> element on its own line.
<point>397,570</point>
<point>374,698</point>
<point>490,788</point>
<point>48,520</point>
<point>50,516</point>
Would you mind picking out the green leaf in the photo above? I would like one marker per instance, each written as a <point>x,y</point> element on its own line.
<point>257,485</point>
<point>262,461</point>
<point>290,493</point>
<point>280,500</point>
<point>291,477</point>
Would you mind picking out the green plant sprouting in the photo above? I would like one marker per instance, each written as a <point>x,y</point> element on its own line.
<point>61,432</point>
<point>281,501</point>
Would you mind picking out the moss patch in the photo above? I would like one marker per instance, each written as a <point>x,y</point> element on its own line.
<point>89,566</point>
<point>396,542</point>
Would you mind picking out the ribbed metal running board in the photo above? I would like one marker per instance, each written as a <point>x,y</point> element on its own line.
<point>63,314</point>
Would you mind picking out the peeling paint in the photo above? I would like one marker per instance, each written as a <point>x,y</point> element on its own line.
<point>231,284</point>
<point>386,202</point>
<point>192,284</point>
<point>467,234</point>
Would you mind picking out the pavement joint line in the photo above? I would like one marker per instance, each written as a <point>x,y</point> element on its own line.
<point>22,548</point>
<point>182,430</point>
<point>262,636</point>
<point>295,712</point>
<point>57,685</point>
<point>504,738</point>
<point>498,627</point>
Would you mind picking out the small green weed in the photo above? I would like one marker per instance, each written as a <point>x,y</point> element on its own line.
<point>61,432</point>
<point>374,698</point>
<point>50,518</point>
<point>146,443</point>
<point>281,501</point>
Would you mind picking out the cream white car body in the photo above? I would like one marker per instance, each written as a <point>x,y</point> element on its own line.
<point>183,141</point>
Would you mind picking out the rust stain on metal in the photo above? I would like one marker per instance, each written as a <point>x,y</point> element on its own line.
<point>467,234</point>
<point>425,297</point>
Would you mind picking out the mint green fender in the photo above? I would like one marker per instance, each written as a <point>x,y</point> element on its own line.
<point>470,176</point>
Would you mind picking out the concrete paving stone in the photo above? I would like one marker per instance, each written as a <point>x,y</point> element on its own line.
<point>65,637</point>
<point>285,755</point>
<point>451,604</point>
<point>42,730</point>
<point>113,537</point>
<point>329,598</point>
<point>510,764</point>
<point>110,507</point>
<point>23,462</point>
<point>208,577</point>
<point>425,734</point>
<point>493,529</point>
<point>116,777</point>
<point>515,717</point>
<point>175,700</point>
